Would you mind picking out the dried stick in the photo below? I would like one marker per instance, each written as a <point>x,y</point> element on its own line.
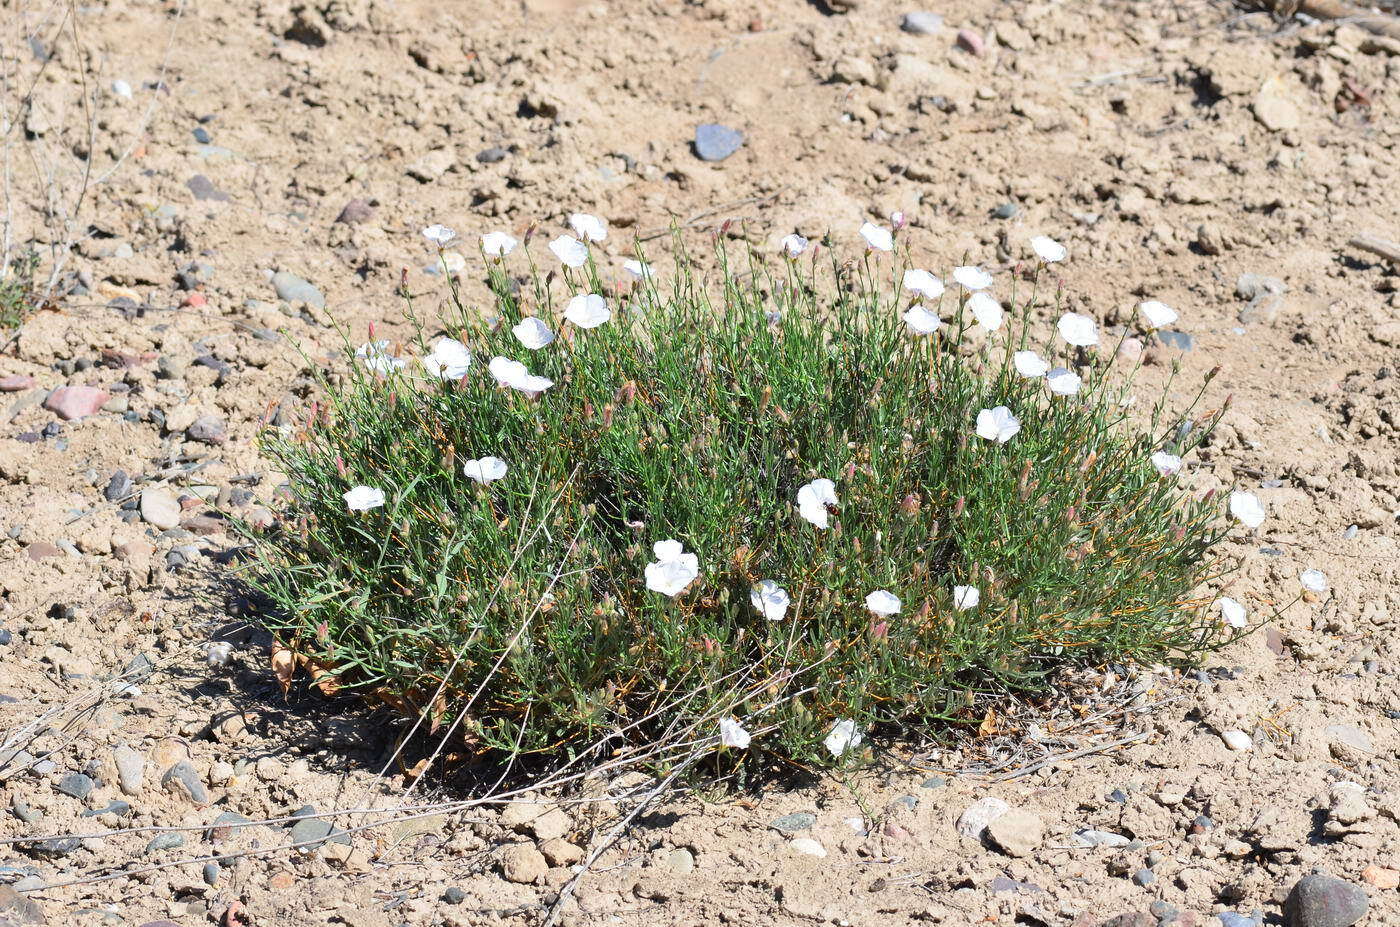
<point>1380,247</point>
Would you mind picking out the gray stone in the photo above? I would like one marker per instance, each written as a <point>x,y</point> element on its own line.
<point>1006,211</point>
<point>355,212</point>
<point>159,507</point>
<point>1174,339</point>
<point>203,189</point>
<point>164,842</point>
<point>296,290</point>
<point>922,23</point>
<point>1320,900</point>
<point>211,873</point>
<point>207,429</point>
<point>492,155</point>
<point>1144,877</point>
<point>454,895</point>
<point>714,142</point>
<point>905,801</point>
<point>19,911</point>
<point>54,846</point>
<point>225,826</point>
<point>116,806</point>
<point>792,823</point>
<point>183,779</point>
<point>933,782</point>
<point>24,812</point>
<point>1233,919</point>
<point>118,487</point>
<point>76,785</point>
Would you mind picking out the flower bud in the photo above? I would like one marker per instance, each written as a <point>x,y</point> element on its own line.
<point>909,505</point>
<point>959,506</point>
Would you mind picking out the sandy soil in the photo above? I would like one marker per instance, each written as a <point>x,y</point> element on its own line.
<point>1174,147</point>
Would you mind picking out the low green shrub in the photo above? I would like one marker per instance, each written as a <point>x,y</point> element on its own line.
<point>598,515</point>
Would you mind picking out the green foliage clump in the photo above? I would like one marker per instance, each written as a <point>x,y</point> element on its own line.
<point>520,608</point>
<point>17,291</point>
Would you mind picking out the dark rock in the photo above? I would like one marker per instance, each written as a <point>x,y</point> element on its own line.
<point>52,430</point>
<point>454,895</point>
<point>1131,919</point>
<point>119,487</point>
<point>1320,900</point>
<point>211,873</point>
<point>24,812</point>
<point>296,290</point>
<point>492,155</point>
<point>203,189</point>
<point>714,142</point>
<point>202,135</point>
<point>76,785</point>
<point>117,807</point>
<point>791,823</point>
<point>6,637</point>
<point>164,842</point>
<point>54,846</point>
<point>183,779</point>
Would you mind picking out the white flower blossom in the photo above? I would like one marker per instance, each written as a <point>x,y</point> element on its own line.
<point>439,235</point>
<point>514,375</point>
<point>1232,612</point>
<point>673,570</point>
<point>1166,464</point>
<point>972,278</point>
<point>1030,364</point>
<point>769,599</point>
<point>998,424</point>
<point>793,245</point>
<point>732,734</point>
<point>1313,580</point>
<point>966,597</point>
<point>921,320</point>
<point>587,310</point>
<point>448,360</point>
<point>924,283</point>
<point>363,498</point>
<point>376,357</point>
<point>569,250</point>
<point>843,736</point>
<point>533,333</point>
<point>485,470</point>
<point>1063,382</point>
<point>986,310</point>
<point>882,602</point>
<point>813,498</point>
<point>1247,508</point>
<point>589,228</point>
<point>1156,314</point>
<point>498,244</point>
<point>877,238</point>
<point>1079,330</point>
<point>1048,249</point>
<point>639,269</point>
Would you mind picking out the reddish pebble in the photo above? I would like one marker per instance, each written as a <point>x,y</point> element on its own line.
<point>72,402</point>
<point>1380,877</point>
<point>971,42</point>
<point>42,550</point>
<point>195,300</point>
<point>16,382</point>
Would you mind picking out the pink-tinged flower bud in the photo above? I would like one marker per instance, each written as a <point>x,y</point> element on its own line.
<point>1179,533</point>
<point>898,220</point>
<point>851,470</point>
<point>725,226</point>
<point>879,630</point>
<point>959,506</point>
<point>340,465</point>
<point>1071,515</point>
<point>530,232</point>
<point>1214,372</point>
<point>909,505</point>
<point>608,415</point>
<point>371,331</point>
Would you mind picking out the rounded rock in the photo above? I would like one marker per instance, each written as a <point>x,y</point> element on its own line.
<point>1320,900</point>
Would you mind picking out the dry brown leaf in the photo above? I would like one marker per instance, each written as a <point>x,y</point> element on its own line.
<point>284,664</point>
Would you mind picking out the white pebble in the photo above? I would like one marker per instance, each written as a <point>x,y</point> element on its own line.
<point>1237,740</point>
<point>809,847</point>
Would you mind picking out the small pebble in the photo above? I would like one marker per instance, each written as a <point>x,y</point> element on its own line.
<point>715,142</point>
<point>922,23</point>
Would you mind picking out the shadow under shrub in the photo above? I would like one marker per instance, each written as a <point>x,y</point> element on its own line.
<point>520,607</point>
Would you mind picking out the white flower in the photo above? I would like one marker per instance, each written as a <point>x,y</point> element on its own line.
<point>1048,249</point>
<point>587,310</point>
<point>1246,507</point>
<point>1166,464</point>
<point>448,360</point>
<point>1313,580</point>
<point>1063,382</point>
<point>498,244</point>
<point>1155,314</point>
<point>769,599</point>
<point>485,470</point>
<point>986,310</point>
<point>439,235</point>
<point>639,269</point>
<point>363,498</point>
<point>533,333</point>
<point>972,278</point>
<point>732,734</point>
<point>924,283</point>
<point>569,250</point>
<point>883,603</point>
<point>793,245</point>
<point>921,320</point>
<point>1030,364</point>
<point>877,238</point>
<point>375,356</point>
<point>1078,330</point>
<point>843,736</point>
<point>1231,612</point>
<point>589,228</point>
<point>997,424</point>
<point>673,570</point>
<point>965,597</point>
<point>513,374</point>
<point>813,499</point>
